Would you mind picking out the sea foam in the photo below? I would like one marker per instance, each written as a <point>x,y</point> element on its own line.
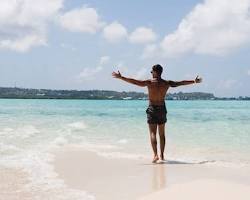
<point>77,125</point>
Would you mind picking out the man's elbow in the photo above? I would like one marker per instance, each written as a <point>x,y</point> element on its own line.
<point>175,85</point>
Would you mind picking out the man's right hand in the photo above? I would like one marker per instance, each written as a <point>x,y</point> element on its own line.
<point>116,75</point>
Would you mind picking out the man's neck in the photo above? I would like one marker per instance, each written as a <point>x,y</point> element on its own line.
<point>157,78</point>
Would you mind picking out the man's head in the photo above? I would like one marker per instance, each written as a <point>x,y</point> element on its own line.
<point>156,70</point>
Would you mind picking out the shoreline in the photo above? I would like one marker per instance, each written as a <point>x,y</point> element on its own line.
<point>122,178</point>
<point>77,173</point>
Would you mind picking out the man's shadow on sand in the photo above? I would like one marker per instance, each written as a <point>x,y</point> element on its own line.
<point>175,162</point>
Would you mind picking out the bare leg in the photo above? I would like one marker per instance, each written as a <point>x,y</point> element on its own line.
<point>161,129</point>
<point>153,130</point>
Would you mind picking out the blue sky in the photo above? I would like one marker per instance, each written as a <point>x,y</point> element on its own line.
<point>73,44</point>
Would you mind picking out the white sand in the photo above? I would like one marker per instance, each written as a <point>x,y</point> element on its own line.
<point>12,183</point>
<point>124,179</point>
<point>205,189</point>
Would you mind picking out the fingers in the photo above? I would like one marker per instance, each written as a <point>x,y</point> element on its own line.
<point>116,75</point>
<point>199,80</point>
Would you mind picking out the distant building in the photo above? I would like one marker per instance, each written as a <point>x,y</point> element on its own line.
<point>127,98</point>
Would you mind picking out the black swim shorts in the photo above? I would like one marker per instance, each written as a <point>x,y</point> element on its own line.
<point>156,114</point>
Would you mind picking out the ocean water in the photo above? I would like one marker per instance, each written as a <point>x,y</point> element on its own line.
<point>216,132</point>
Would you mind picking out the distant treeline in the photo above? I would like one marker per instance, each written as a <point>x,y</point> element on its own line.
<point>24,93</point>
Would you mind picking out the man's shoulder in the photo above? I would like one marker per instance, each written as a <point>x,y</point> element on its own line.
<point>168,82</point>
<point>165,81</point>
<point>148,80</point>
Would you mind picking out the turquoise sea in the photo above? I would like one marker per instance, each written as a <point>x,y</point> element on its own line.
<point>217,132</point>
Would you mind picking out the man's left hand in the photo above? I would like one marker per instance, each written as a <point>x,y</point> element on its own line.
<point>116,75</point>
<point>198,79</point>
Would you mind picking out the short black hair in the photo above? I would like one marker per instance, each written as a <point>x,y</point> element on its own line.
<point>157,68</point>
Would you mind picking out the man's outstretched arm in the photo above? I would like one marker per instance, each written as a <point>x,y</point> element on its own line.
<point>130,80</point>
<point>185,82</point>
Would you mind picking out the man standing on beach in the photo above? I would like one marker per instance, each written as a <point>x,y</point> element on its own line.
<point>156,111</point>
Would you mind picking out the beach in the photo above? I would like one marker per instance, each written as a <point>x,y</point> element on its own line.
<point>121,178</point>
<point>87,149</point>
<point>114,178</point>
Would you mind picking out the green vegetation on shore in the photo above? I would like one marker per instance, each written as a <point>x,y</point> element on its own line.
<point>24,93</point>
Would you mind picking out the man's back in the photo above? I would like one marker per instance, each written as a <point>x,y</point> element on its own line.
<point>157,89</point>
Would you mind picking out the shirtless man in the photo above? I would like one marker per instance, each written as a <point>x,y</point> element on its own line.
<point>156,111</point>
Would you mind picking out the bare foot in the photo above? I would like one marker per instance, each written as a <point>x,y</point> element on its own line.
<point>155,159</point>
<point>162,158</point>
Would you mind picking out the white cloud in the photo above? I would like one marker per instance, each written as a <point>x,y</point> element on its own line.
<point>150,51</point>
<point>23,43</point>
<point>114,32</point>
<point>104,60</point>
<point>142,73</point>
<point>23,23</point>
<point>248,72</point>
<point>142,35</point>
<point>83,19</point>
<point>89,73</point>
<point>122,67</point>
<point>212,27</point>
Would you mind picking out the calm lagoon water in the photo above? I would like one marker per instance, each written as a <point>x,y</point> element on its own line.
<point>196,131</point>
<point>217,130</point>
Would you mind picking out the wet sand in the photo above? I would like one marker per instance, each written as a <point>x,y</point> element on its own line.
<point>119,178</point>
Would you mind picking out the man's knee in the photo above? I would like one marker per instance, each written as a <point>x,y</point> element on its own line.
<point>161,132</point>
<point>153,134</point>
<point>162,136</point>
